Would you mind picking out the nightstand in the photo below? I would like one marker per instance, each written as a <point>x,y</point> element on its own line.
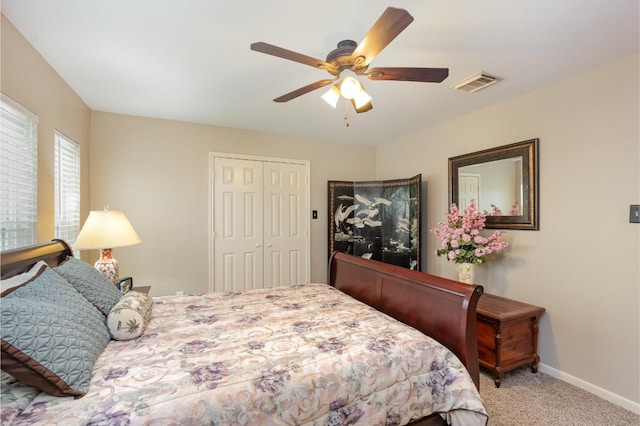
<point>142,289</point>
<point>507,333</point>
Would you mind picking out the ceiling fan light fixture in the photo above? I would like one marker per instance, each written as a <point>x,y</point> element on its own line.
<point>332,96</point>
<point>355,58</point>
<point>350,87</point>
<point>361,99</point>
<point>363,108</point>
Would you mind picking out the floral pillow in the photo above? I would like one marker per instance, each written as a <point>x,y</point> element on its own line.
<point>129,317</point>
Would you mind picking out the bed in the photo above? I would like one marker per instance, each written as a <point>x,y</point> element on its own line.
<point>315,354</point>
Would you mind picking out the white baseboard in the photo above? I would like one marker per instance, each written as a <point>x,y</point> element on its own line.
<point>602,393</point>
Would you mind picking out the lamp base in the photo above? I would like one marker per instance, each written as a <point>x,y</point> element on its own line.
<point>108,266</point>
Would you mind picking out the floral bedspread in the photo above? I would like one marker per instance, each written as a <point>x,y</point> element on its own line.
<point>307,355</point>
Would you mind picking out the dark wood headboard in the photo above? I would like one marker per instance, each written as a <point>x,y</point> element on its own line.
<point>19,260</point>
<point>440,308</point>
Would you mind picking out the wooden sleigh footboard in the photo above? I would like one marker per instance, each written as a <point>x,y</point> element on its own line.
<point>438,307</point>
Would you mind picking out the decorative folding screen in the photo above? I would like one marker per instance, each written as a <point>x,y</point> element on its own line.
<point>377,220</point>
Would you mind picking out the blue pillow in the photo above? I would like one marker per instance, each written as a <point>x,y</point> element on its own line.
<point>90,283</point>
<point>48,286</point>
<point>51,335</point>
<point>9,284</point>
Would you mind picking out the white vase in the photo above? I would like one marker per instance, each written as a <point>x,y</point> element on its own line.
<point>466,272</point>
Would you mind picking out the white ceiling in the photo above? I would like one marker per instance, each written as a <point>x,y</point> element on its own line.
<point>190,59</point>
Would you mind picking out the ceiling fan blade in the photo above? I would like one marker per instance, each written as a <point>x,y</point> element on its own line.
<point>306,89</point>
<point>391,23</point>
<point>270,49</point>
<point>428,75</point>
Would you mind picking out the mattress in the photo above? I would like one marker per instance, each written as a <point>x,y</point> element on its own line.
<point>303,355</point>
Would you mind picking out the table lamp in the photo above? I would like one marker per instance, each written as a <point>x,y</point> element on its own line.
<point>105,230</point>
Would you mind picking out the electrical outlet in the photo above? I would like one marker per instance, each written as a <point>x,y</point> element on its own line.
<point>179,293</point>
<point>634,213</point>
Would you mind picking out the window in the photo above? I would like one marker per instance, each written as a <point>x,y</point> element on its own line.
<point>67,188</point>
<point>18,175</point>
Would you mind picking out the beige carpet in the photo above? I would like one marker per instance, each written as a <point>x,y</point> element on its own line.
<point>527,399</point>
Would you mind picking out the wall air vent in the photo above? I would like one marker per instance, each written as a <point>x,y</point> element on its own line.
<point>476,82</point>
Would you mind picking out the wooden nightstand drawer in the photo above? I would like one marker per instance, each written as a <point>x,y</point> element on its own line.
<point>517,341</point>
<point>486,342</point>
<point>507,333</point>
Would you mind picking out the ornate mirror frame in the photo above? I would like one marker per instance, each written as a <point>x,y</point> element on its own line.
<point>525,152</point>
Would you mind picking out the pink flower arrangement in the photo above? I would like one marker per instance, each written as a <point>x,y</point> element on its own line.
<point>461,239</point>
<point>515,210</point>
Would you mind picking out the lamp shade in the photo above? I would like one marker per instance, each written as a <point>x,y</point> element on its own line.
<point>106,229</point>
<point>350,87</point>
<point>361,99</point>
<point>332,96</point>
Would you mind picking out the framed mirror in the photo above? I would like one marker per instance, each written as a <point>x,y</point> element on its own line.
<point>503,181</point>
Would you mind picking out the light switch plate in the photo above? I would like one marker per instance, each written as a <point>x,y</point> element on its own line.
<point>634,213</point>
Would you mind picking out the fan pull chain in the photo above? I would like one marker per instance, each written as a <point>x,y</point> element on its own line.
<point>346,113</point>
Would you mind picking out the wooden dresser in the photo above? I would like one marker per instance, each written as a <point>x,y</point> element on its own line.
<point>507,332</point>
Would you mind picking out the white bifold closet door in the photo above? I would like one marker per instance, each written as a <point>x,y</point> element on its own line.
<point>261,224</point>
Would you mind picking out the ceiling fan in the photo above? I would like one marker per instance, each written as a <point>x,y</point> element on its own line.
<point>356,58</point>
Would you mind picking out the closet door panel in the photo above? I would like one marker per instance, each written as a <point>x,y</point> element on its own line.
<point>260,221</point>
<point>285,214</point>
<point>238,226</point>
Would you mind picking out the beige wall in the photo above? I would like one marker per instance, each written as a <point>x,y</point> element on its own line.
<point>583,264</point>
<point>156,171</point>
<point>29,80</point>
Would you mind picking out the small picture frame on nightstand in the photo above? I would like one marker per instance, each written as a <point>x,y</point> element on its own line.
<point>125,284</point>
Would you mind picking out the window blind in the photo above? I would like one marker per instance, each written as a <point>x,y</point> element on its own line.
<point>67,188</point>
<point>18,175</point>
